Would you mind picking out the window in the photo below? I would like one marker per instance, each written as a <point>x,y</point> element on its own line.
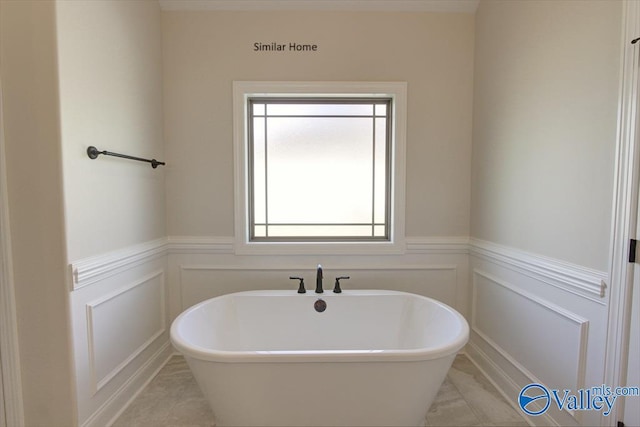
<point>319,166</point>
<point>318,169</point>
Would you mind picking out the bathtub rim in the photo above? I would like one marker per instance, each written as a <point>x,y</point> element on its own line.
<point>320,356</point>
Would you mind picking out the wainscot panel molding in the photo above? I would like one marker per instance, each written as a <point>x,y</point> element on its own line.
<point>204,267</point>
<point>119,314</point>
<point>97,268</point>
<point>494,299</point>
<point>201,282</point>
<point>576,279</point>
<point>108,354</point>
<point>536,320</point>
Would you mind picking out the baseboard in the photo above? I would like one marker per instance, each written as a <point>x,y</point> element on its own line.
<point>109,412</point>
<point>505,385</point>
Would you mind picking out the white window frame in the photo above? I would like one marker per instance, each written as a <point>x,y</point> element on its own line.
<point>243,90</point>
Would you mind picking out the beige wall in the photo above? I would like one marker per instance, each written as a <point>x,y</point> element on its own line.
<point>544,137</point>
<point>90,73</point>
<point>110,62</point>
<point>34,181</point>
<point>75,74</point>
<point>204,52</point>
<point>110,77</point>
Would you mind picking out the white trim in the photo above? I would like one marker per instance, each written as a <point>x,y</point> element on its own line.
<point>583,325</point>
<point>244,89</point>
<point>578,280</point>
<point>505,385</point>
<point>569,277</point>
<point>9,346</point>
<point>96,383</point>
<point>94,269</point>
<point>440,6</point>
<point>507,379</point>
<point>225,245</point>
<point>437,245</point>
<point>115,405</point>
<point>375,267</point>
<point>200,245</point>
<point>625,205</point>
<point>97,268</point>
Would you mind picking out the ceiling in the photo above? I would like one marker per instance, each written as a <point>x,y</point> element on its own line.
<point>451,6</point>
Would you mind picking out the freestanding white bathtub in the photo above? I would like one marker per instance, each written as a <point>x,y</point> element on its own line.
<point>370,358</point>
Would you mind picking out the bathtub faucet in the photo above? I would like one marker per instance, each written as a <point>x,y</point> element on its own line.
<point>319,280</point>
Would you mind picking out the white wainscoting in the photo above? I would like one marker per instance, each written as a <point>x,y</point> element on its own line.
<point>123,302</point>
<point>200,282</point>
<point>119,313</point>
<point>537,320</point>
<point>533,319</point>
<point>530,320</point>
<point>204,268</point>
<point>110,350</point>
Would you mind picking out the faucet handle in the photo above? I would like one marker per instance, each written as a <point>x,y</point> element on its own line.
<point>301,289</point>
<point>336,288</point>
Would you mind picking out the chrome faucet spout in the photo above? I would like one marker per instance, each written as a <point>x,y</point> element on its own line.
<point>319,280</point>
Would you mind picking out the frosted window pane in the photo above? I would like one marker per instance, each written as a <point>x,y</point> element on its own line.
<point>260,231</point>
<point>320,170</point>
<point>378,231</point>
<point>319,230</point>
<point>259,195</point>
<point>320,109</point>
<point>380,189</point>
<point>381,109</point>
<point>258,109</point>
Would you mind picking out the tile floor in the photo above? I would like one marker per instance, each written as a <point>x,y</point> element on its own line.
<point>173,398</point>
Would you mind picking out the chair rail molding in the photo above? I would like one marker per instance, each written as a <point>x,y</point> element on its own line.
<point>97,268</point>
<point>585,282</point>
<point>200,245</point>
<point>225,245</point>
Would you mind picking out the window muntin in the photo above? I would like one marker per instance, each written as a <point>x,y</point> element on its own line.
<point>319,169</point>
